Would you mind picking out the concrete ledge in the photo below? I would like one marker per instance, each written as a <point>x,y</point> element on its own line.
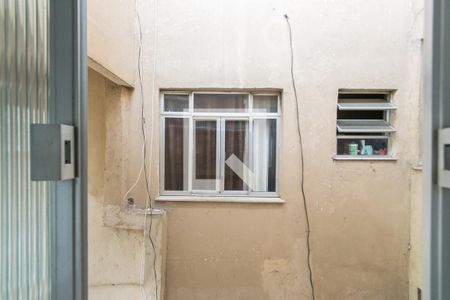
<point>96,66</point>
<point>230,199</point>
<point>368,157</point>
<point>116,217</point>
<point>115,292</point>
<point>418,168</point>
<point>123,257</point>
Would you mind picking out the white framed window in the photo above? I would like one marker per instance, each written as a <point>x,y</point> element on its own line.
<point>363,126</point>
<point>219,143</point>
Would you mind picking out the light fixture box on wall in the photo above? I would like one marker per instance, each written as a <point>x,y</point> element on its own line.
<point>52,152</point>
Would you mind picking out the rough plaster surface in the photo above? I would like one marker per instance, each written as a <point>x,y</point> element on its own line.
<point>415,260</point>
<point>360,211</point>
<point>281,277</point>
<point>115,292</point>
<point>120,263</point>
<point>115,254</point>
<point>112,35</point>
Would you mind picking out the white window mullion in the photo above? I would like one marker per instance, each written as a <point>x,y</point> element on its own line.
<point>162,149</point>
<point>191,154</point>
<point>161,103</point>
<point>279,105</point>
<point>250,153</point>
<point>191,103</point>
<point>191,142</point>
<point>221,155</point>
<point>277,155</point>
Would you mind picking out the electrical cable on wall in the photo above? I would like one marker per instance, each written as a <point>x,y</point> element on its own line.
<point>143,128</point>
<point>302,168</point>
<point>137,178</point>
<point>144,169</point>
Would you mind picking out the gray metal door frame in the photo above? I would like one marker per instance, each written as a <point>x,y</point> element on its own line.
<point>436,206</point>
<point>68,94</point>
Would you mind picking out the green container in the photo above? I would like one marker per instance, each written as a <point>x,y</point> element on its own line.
<point>353,149</point>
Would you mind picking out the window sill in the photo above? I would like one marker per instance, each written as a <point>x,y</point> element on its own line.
<point>225,199</point>
<point>117,217</point>
<point>365,157</point>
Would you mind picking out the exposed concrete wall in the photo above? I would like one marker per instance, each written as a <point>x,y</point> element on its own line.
<point>415,260</point>
<point>112,37</point>
<point>120,264</point>
<point>360,211</point>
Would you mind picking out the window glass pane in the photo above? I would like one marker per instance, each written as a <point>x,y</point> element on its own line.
<point>176,154</point>
<point>264,155</point>
<point>236,155</point>
<point>363,97</point>
<point>221,102</point>
<point>27,230</point>
<point>360,114</point>
<point>362,146</point>
<point>265,104</point>
<point>205,155</point>
<point>177,103</point>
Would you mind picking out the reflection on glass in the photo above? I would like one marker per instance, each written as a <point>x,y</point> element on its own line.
<point>265,103</point>
<point>221,103</point>
<point>264,154</point>
<point>236,133</point>
<point>176,103</point>
<point>176,153</point>
<point>205,136</point>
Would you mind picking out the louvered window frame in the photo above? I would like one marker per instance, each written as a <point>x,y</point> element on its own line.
<point>365,129</point>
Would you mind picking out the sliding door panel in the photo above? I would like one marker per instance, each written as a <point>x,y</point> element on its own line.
<point>25,237</point>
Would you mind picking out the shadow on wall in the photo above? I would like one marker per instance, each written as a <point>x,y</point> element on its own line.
<point>120,264</point>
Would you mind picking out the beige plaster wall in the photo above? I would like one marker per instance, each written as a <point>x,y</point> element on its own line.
<point>360,210</point>
<point>415,260</point>
<point>120,263</point>
<point>112,37</point>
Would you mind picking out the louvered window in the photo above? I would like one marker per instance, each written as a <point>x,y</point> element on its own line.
<point>363,124</point>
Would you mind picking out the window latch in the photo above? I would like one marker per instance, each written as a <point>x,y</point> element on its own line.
<point>444,157</point>
<point>52,151</point>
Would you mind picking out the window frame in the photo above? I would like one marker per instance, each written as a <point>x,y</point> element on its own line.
<point>386,134</point>
<point>221,118</point>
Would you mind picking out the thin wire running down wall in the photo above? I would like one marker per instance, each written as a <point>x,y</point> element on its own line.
<point>25,243</point>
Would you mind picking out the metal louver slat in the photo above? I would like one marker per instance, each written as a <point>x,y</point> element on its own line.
<point>365,106</point>
<point>363,126</point>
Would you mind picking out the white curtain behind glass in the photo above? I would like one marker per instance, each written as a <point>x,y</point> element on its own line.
<point>260,154</point>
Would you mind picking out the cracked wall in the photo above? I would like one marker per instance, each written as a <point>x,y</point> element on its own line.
<point>120,261</point>
<point>360,211</point>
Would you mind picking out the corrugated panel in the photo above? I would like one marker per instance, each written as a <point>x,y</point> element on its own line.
<point>24,205</point>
